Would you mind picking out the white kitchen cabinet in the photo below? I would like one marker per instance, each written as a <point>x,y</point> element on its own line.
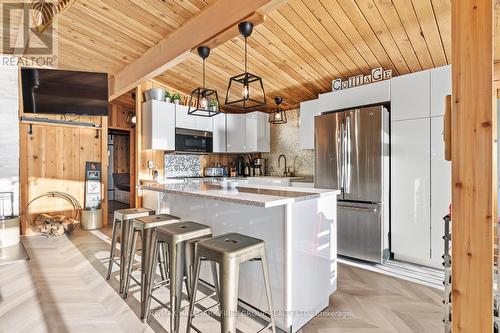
<point>203,123</point>
<point>248,133</point>
<point>183,119</point>
<point>440,190</point>
<point>236,133</point>
<point>219,133</point>
<point>158,125</point>
<point>440,87</point>
<point>373,93</point>
<point>258,138</point>
<point>308,110</point>
<point>410,96</point>
<point>410,190</point>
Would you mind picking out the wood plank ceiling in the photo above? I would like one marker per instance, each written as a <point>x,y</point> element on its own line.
<point>303,45</point>
<point>297,51</point>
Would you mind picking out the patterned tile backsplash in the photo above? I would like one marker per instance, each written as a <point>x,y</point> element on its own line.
<point>182,166</point>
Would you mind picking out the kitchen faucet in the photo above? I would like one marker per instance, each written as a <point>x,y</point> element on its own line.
<point>279,163</point>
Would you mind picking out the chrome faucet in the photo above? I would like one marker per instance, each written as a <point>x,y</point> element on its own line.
<point>279,163</point>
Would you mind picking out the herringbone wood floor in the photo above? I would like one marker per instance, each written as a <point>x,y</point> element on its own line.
<point>62,289</point>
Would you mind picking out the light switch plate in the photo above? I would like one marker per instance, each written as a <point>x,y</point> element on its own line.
<point>150,165</point>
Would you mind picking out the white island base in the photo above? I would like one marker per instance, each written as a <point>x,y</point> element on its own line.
<point>300,238</point>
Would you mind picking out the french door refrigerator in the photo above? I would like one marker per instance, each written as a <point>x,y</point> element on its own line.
<point>352,155</point>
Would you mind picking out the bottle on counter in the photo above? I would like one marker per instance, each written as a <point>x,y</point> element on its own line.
<point>246,172</point>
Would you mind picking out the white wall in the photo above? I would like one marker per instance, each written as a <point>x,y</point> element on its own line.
<point>9,132</point>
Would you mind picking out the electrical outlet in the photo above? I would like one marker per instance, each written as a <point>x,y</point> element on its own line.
<point>150,165</point>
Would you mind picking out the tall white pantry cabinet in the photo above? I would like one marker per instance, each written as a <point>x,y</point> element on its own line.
<point>420,177</point>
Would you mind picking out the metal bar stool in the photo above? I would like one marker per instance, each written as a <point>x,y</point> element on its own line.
<point>180,238</point>
<point>229,251</point>
<point>146,226</point>
<point>121,218</point>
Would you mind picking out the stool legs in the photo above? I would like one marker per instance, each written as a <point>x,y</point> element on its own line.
<point>114,237</point>
<point>176,261</point>
<point>130,262</point>
<point>267,283</point>
<point>126,225</point>
<point>147,254</point>
<point>230,274</point>
<point>193,295</point>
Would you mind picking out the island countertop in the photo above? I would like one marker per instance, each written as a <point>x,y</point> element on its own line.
<point>255,195</point>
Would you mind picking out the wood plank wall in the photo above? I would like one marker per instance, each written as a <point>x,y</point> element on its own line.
<point>474,178</point>
<point>52,158</point>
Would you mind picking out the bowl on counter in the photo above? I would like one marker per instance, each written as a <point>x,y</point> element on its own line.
<point>224,183</point>
<point>233,184</point>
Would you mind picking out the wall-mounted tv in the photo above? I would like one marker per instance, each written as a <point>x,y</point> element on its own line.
<point>53,91</point>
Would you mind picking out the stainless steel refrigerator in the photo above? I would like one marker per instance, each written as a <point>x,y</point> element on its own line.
<point>352,155</point>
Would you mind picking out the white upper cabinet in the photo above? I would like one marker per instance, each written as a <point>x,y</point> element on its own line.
<point>158,125</point>
<point>219,133</point>
<point>410,96</point>
<point>248,132</point>
<point>410,190</point>
<point>189,121</point>
<point>183,119</point>
<point>373,93</point>
<point>440,87</point>
<point>258,138</point>
<point>308,110</point>
<point>236,133</point>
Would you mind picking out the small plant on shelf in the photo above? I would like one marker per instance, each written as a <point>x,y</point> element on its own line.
<point>177,98</point>
<point>168,97</point>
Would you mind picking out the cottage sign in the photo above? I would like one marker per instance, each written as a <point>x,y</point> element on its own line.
<point>377,74</point>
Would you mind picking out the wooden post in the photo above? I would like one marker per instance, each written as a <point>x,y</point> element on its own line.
<point>474,192</point>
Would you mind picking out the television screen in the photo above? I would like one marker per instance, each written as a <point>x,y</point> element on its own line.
<point>64,92</point>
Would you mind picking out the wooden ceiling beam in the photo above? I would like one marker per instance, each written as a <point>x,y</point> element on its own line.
<point>175,47</point>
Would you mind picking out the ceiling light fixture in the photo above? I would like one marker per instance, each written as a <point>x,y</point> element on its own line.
<point>277,115</point>
<point>207,100</point>
<point>245,91</point>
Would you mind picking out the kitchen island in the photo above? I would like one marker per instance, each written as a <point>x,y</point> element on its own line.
<point>298,226</point>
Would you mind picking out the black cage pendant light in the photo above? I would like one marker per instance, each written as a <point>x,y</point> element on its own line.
<point>277,115</point>
<point>206,101</point>
<point>245,91</point>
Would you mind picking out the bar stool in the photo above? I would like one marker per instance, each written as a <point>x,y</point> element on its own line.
<point>146,226</point>
<point>121,218</point>
<point>181,239</point>
<point>229,251</point>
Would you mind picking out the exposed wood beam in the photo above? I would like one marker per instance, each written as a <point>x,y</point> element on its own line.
<point>474,193</point>
<point>212,21</point>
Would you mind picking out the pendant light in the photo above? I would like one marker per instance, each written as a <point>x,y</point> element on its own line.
<point>277,115</point>
<point>245,91</point>
<point>206,100</point>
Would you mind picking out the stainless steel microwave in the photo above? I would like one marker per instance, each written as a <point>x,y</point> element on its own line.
<point>193,141</point>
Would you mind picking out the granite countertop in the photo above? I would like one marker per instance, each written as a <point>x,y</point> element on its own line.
<point>255,195</point>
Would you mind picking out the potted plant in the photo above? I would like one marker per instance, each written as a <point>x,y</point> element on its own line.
<point>168,97</point>
<point>212,104</point>
<point>177,98</point>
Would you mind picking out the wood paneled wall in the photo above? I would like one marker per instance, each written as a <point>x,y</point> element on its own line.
<point>52,158</point>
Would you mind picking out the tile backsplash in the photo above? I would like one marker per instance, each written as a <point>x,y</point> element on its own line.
<point>182,166</point>
<point>285,140</point>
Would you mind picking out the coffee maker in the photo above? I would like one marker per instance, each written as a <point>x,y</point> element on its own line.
<point>258,167</point>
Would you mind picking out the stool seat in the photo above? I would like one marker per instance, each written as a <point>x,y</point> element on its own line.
<point>132,213</point>
<point>232,245</point>
<point>182,231</point>
<point>153,221</point>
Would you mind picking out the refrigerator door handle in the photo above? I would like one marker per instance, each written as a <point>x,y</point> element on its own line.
<point>364,209</point>
<point>347,155</point>
<point>342,153</point>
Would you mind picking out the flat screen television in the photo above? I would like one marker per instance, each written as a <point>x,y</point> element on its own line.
<point>53,91</point>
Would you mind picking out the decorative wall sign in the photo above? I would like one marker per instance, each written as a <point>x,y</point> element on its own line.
<point>377,74</point>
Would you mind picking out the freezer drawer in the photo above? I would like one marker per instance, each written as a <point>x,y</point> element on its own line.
<point>360,230</point>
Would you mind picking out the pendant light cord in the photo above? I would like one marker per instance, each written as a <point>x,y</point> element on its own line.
<point>203,73</point>
<point>246,55</point>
